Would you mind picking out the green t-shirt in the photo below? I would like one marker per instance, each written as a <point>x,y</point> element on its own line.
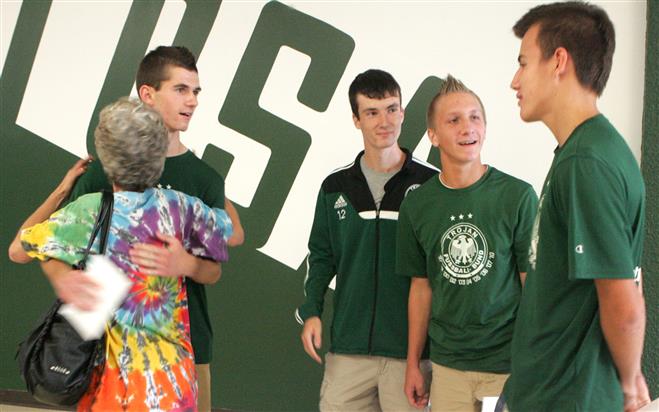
<point>471,243</point>
<point>190,175</point>
<point>589,226</point>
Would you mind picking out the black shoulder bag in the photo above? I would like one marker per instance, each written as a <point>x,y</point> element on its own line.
<point>55,362</point>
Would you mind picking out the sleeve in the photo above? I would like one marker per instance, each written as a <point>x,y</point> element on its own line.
<point>92,181</point>
<point>214,194</point>
<point>526,213</point>
<point>207,230</point>
<point>410,256</point>
<point>321,266</point>
<point>591,198</point>
<point>65,235</point>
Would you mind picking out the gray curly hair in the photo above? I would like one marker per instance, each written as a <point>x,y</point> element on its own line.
<point>131,142</point>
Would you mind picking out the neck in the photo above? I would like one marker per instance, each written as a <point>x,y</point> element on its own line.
<point>175,147</point>
<point>461,176</point>
<point>384,160</point>
<point>570,110</point>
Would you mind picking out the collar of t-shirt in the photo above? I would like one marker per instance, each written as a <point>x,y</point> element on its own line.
<point>376,181</point>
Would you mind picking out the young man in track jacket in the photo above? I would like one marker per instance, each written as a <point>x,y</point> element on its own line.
<point>354,237</point>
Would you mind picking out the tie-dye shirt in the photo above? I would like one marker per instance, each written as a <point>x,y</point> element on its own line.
<point>149,362</point>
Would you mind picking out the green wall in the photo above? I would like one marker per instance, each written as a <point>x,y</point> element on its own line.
<point>259,363</point>
<point>650,169</point>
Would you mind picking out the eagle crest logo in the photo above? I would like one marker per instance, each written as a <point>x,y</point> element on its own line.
<point>465,257</point>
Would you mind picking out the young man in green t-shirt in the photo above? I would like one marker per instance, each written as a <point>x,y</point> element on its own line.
<point>463,237</point>
<point>579,332</point>
<point>168,81</point>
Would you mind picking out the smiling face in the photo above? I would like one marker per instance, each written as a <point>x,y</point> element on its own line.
<point>458,128</point>
<point>379,120</point>
<point>534,80</point>
<point>176,99</point>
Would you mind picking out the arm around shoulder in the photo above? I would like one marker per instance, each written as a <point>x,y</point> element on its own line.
<point>47,208</point>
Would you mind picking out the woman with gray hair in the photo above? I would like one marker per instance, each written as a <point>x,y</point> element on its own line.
<point>149,362</point>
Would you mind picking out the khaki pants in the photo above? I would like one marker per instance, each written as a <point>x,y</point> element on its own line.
<point>203,387</point>
<point>462,391</point>
<point>364,383</point>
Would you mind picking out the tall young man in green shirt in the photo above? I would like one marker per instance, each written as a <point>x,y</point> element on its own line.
<point>463,238</point>
<point>168,81</point>
<point>353,237</point>
<point>579,333</point>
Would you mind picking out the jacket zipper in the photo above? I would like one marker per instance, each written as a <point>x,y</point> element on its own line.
<point>375,294</point>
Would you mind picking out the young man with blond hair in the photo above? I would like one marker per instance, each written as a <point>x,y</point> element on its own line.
<point>463,239</point>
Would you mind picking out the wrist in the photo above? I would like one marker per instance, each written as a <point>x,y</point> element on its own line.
<point>192,266</point>
<point>413,362</point>
<point>628,380</point>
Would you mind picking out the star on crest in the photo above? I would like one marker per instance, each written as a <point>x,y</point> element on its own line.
<point>470,215</point>
<point>452,218</point>
<point>461,216</point>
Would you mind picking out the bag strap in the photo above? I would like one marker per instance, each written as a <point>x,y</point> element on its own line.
<point>101,225</point>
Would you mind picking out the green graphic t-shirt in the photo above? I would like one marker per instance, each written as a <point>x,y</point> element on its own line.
<point>190,175</point>
<point>589,226</point>
<point>471,243</point>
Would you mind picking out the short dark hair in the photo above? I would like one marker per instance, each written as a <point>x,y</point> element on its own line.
<point>450,85</point>
<point>584,30</point>
<point>154,67</point>
<point>375,84</point>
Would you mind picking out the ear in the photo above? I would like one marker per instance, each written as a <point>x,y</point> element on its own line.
<point>562,58</point>
<point>356,121</point>
<point>146,94</point>
<point>402,114</point>
<point>433,137</point>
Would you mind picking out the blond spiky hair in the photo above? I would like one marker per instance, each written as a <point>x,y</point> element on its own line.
<point>450,85</point>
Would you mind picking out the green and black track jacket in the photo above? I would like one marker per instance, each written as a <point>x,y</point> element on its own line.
<point>353,240</point>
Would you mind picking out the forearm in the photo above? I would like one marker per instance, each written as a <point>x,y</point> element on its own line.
<point>625,342</point>
<point>238,236</point>
<point>315,288</point>
<point>418,317</point>
<point>43,212</point>
<point>54,270</point>
<point>622,318</point>
<point>205,271</point>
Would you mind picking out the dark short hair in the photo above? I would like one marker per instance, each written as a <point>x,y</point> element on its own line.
<point>374,84</point>
<point>584,30</point>
<point>154,67</point>
<point>450,85</point>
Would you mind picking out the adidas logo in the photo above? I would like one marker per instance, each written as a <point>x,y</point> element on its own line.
<point>340,202</point>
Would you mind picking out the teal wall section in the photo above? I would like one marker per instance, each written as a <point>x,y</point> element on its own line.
<point>650,168</point>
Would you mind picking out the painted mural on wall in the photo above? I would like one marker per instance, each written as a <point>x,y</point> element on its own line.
<point>274,119</point>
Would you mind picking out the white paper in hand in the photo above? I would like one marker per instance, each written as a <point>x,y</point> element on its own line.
<point>113,288</point>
